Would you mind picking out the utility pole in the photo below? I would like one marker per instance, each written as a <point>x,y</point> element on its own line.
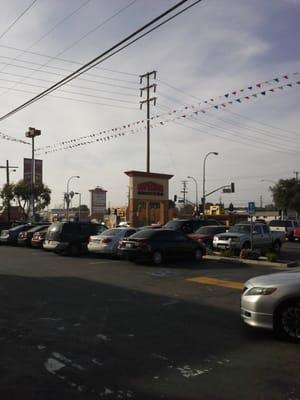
<point>7,167</point>
<point>184,191</point>
<point>297,175</point>
<point>148,101</point>
<point>261,201</point>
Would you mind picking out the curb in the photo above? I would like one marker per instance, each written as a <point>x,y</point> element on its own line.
<point>280,265</point>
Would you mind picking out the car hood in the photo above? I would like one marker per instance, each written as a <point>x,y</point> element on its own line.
<point>278,279</point>
<point>229,235</point>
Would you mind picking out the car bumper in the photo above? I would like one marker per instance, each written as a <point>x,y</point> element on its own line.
<point>254,313</point>
<point>100,249</point>
<point>133,254</point>
<point>226,246</point>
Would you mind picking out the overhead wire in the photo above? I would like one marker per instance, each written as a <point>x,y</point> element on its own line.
<point>124,43</point>
<point>85,35</point>
<point>17,19</point>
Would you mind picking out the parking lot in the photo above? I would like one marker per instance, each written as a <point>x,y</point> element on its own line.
<point>88,328</point>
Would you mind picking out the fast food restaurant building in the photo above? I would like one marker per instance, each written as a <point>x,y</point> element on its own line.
<point>148,198</point>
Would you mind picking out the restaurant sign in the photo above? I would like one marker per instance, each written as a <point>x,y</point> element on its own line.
<point>150,188</point>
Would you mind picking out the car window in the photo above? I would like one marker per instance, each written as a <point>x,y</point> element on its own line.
<point>129,232</point>
<point>187,227</point>
<point>265,229</point>
<point>279,223</point>
<point>289,224</point>
<point>179,237</point>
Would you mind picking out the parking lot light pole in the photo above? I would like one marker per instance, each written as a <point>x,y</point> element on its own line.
<point>196,183</point>
<point>79,194</point>
<point>32,133</point>
<point>203,192</point>
<point>67,194</point>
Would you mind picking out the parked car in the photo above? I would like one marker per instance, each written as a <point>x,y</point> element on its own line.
<point>24,237</point>
<point>70,238</point>
<point>205,234</point>
<point>157,245</point>
<point>238,237</point>
<point>287,226</point>
<point>297,233</point>
<point>189,225</point>
<point>107,242</point>
<point>10,236</point>
<point>273,302</point>
<point>38,238</point>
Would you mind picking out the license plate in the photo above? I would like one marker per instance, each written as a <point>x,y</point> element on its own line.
<point>128,245</point>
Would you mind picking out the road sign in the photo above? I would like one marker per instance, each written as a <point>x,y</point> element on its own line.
<point>251,208</point>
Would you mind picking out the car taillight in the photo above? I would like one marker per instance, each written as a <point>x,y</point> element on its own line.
<point>107,240</point>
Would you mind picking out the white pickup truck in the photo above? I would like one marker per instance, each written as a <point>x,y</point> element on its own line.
<point>238,237</point>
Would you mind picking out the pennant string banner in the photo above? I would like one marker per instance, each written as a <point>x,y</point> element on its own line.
<point>134,127</point>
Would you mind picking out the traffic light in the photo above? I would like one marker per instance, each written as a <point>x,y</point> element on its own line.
<point>232,186</point>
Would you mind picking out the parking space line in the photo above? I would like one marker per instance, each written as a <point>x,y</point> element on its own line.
<point>217,282</point>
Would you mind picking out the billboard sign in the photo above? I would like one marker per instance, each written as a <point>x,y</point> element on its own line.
<point>150,188</point>
<point>28,170</point>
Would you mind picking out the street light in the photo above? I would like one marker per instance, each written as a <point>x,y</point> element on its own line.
<point>191,177</point>
<point>203,193</point>
<point>67,194</point>
<point>32,133</point>
<point>79,194</point>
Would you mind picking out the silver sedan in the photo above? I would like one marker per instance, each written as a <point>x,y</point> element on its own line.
<point>108,241</point>
<point>273,302</point>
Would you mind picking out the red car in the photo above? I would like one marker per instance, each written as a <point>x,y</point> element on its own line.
<point>38,238</point>
<point>205,234</point>
<point>297,233</point>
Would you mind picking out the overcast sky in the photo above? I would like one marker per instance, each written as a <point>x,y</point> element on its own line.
<point>215,48</point>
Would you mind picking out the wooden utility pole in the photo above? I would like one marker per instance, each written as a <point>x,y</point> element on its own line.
<point>8,167</point>
<point>148,101</point>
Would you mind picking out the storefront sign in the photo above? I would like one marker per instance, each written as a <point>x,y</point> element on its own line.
<point>28,170</point>
<point>150,188</point>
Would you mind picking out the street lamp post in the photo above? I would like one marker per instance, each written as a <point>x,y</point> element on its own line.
<point>79,194</point>
<point>196,183</point>
<point>203,192</point>
<point>68,196</point>
<point>32,133</point>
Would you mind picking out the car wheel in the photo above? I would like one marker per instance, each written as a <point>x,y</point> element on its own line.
<point>287,321</point>
<point>198,254</point>
<point>277,246</point>
<point>74,250</point>
<point>157,257</point>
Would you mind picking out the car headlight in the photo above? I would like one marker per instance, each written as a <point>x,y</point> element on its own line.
<point>258,291</point>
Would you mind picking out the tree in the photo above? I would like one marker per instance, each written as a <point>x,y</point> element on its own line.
<point>7,194</point>
<point>286,194</point>
<point>21,192</point>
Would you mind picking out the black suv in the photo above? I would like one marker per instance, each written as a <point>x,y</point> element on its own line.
<point>71,238</point>
<point>189,225</point>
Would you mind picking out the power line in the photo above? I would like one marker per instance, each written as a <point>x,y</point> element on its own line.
<point>87,34</point>
<point>55,68</point>
<point>61,59</point>
<point>17,19</point>
<point>108,53</point>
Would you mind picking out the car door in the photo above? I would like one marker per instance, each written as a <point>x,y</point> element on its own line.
<point>258,237</point>
<point>182,245</point>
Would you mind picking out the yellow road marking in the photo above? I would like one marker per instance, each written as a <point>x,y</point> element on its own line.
<point>217,282</point>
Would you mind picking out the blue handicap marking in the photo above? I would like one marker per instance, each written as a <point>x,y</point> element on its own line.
<point>251,208</point>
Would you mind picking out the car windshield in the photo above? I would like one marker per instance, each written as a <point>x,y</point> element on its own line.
<point>240,229</point>
<point>173,225</point>
<point>144,234</point>
<point>207,230</point>
<point>278,223</point>
<point>111,232</point>
<point>18,227</point>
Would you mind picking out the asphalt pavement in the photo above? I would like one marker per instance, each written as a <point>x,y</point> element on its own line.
<point>94,328</point>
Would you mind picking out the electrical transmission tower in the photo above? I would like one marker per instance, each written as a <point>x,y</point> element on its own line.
<point>148,100</point>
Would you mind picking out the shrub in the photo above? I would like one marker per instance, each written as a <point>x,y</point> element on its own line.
<point>271,256</point>
<point>249,254</point>
<point>227,253</point>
